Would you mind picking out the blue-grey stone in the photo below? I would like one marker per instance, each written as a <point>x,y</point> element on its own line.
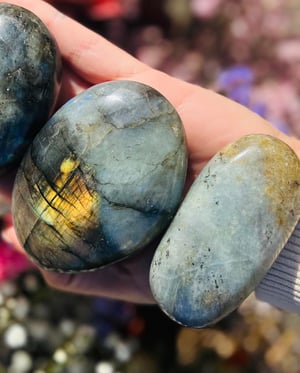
<point>29,80</point>
<point>231,226</point>
<point>102,179</point>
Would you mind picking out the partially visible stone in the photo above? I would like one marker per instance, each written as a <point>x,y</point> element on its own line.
<point>29,80</point>
<point>232,225</point>
<point>102,179</point>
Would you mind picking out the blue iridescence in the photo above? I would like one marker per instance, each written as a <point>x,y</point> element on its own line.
<point>29,80</point>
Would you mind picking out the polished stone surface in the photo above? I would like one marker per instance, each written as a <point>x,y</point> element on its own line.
<point>102,179</point>
<point>228,231</point>
<point>29,80</point>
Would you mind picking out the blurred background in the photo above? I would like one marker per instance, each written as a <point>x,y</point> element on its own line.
<point>246,50</point>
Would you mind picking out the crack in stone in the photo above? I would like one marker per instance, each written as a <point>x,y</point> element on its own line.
<point>168,157</point>
<point>131,207</point>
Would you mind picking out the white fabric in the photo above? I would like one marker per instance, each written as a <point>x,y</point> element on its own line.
<point>281,285</point>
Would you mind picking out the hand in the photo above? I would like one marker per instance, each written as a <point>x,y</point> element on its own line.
<point>210,120</point>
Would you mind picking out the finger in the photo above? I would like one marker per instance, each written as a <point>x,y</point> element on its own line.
<point>211,120</point>
<point>128,280</point>
<point>214,121</point>
<point>71,85</point>
<point>94,58</point>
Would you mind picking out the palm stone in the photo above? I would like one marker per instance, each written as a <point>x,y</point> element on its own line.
<point>102,178</point>
<point>230,228</point>
<point>29,80</point>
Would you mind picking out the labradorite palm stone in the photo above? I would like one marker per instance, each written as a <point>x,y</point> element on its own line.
<point>29,80</point>
<point>102,178</point>
<point>228,231</point>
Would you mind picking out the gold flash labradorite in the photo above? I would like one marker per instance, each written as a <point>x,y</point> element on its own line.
<point>102,179</point>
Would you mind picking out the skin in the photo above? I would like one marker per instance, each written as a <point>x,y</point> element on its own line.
<point>211,121</point>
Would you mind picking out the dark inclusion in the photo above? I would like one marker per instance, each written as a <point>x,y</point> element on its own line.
<point>29,80</point>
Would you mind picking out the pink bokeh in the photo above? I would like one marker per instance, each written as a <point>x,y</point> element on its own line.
<point>12,262</point>
<point>96,10</point>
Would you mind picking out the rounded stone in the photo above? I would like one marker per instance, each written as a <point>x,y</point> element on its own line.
<point>102,178</point>
<point>29,80</point>
<point>230,228</point>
